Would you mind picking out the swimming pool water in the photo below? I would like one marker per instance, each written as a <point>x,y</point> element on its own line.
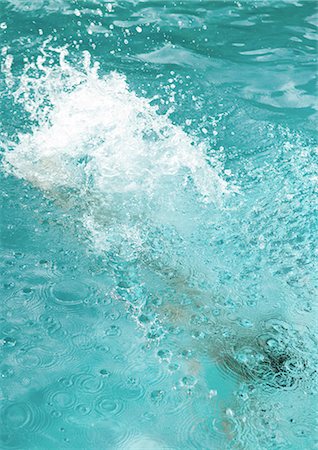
<point>158,224</point>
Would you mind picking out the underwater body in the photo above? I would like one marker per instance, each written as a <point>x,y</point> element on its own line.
<point>158,224</point>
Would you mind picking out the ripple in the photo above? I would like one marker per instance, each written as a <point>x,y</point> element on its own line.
<point>108,407</point>
<point>130,389</point>
<point>83,410</point>
<point>82,340</point>
<point>226,429</point>
<point>34,357</point>
<point>88,383</point>
<point>70,292</point>
<point>178,402</point>
<point>155,374</point>
<point>26,416</point>
<point>17,415</point>
<point>66,381</point>
<point>62,400</point>
<point>19,300</point>
<point>52,325</point>
<point>195,431</point>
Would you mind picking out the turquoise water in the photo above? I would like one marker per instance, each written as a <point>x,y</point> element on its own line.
<point>158,224</point>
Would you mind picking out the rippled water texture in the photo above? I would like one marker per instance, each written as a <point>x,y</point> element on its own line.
<point>158,224</point>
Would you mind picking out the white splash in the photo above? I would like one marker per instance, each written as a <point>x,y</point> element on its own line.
<point>95,138</point>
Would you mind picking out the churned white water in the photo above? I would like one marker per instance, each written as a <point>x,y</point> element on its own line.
<point>117,157</point>
<point>145,190</point>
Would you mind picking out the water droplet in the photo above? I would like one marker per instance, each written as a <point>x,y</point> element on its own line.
<point>27,290</point>
<point>213,393</point>
<point>84,410</point>
<point>8,342</point>
<point>157,396</point>
<point>164,355</point>
<point>189,381</point>
<point>113,330</point>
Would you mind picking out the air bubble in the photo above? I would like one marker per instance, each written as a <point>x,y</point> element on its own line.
<point>189,381</point>
<point>113,330</point>
<point>83,410</point>
<point>8,342</point>
<point>157,396</point>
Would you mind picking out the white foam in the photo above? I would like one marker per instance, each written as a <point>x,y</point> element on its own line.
<point>94,136</point>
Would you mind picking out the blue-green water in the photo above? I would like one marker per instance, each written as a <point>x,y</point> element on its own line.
<point>158,224</point>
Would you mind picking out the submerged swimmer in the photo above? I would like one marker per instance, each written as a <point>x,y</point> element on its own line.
<point>144,191</point>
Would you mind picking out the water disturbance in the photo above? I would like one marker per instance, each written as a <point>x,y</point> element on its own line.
<point>158,224</point>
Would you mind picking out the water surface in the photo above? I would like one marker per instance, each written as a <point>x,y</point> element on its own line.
<point>158,224</point>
